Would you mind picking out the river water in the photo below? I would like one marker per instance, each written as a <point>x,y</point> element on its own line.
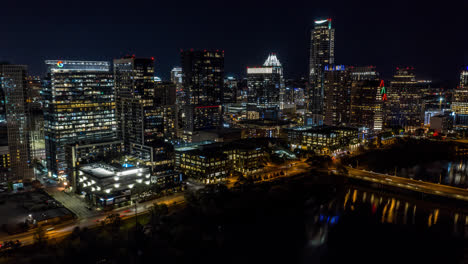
<point>362,219</point>
<point>453,173</point>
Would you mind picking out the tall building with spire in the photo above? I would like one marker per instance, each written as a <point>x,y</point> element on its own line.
<point>266,83</point>
<point>321,53</point>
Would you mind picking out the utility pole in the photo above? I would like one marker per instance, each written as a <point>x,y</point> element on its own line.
<point>136,215</point>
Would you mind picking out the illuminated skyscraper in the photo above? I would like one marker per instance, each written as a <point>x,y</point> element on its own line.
<point>79,106</point>
<point>230,90</point>
<point>176,77</point>
<point>139,119</point>
<point>460,101</point>
<point>405,106</point>
<point>36,118</point>
<point>365,104</point>
<point>337,95</point>
<point>13,83</point>
<point>266,84</point>
<point>203,79</point>
<point>321,53</point>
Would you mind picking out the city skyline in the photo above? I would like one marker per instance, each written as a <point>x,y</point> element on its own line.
<point>233,132</point>
<point>395,36</point>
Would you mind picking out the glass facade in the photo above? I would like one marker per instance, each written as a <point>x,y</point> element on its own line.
<point>321,53</point>
<point>321,139</point>
<point>460,101</point>
<point>140,121</point>
<point>266,84</point>
<point>203,83</point>
<point>366,98</point>
<point>336,95</point>
<point>79,106</point>
<point>14,85</point>
<point>405,106</point>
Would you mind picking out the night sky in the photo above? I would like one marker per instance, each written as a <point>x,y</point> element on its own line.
<point>430,37</point>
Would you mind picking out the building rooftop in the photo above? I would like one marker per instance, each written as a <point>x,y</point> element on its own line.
<point>102,170</point>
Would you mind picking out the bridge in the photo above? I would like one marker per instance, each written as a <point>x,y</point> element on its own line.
<point>409,184</point>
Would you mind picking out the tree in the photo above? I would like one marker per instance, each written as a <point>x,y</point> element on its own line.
<point>157,211</point>
<point>113,222</point>
<point>40,237</point>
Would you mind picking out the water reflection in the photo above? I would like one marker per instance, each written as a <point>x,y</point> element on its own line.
<point>383,208</point>
<point>454,173</point>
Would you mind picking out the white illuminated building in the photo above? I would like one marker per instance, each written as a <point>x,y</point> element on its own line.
<point>271,61</point>
<point>105,185</point>
<point>266,84</point>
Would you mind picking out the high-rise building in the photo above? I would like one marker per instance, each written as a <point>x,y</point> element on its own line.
<point>365,104</point>
<point>176,78</point>
<point>405,107</point>
<point>36,118</point>
<point>13,83</point>
<point>266,84</point>
<point>203,79</point>
<point>230,90</point>
<point>460,101</point>
<point>139,120</point>
<point>321,54</point>
<point>165,93</point>
<point>165,102</point>
<point>79,106</point>
<point>336,95</point>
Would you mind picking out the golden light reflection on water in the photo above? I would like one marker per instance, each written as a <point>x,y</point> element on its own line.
<point>391,209</point>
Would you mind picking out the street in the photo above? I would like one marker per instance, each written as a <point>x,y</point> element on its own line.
<point>64,229</point>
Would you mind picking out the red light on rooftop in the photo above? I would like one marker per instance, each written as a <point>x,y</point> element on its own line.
<point>397,68</point>
<point>204,50</point>
<point>329,19</point>
<point>208,106</point>
<point>152,58</point>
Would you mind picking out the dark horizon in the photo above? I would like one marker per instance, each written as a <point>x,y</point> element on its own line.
<point>427,37</point>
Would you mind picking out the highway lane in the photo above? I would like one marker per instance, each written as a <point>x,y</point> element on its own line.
<point>410,184</point>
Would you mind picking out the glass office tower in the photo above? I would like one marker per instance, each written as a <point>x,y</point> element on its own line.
<point>321,53</point>
<point>79,107</point>
<point>14,85</point>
